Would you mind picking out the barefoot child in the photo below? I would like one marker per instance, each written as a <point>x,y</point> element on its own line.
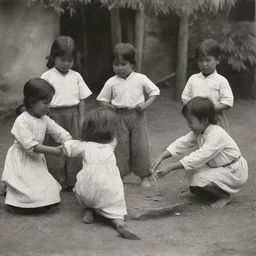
<point>67,106</point>
<point>124,92</point>
<point>216,165</point>
<point>208,83</point>
<point>99,186</point>
<point>29,184</point>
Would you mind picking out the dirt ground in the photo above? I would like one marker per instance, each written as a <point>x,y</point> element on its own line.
<point>196,230</point>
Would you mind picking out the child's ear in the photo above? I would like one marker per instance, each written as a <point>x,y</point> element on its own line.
<point>206,120</point>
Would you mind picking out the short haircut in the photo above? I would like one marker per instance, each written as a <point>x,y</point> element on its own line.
<point>37,89</point>
<point>126,51</point>
<point>208,47</point>
<point>200,108</point>
<point>63,45</point>
<point>100,125</point>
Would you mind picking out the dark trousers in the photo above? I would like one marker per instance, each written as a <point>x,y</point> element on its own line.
<point>64,169</point>
<point>132,150</point>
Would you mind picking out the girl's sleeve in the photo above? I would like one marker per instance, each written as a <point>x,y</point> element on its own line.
<point>187,93</point>
<point>73,148</point>
<point>45,76</point>
<point>150,88</point>
<point>213,145</point>
<point>59,134</point>
<point>226,95</point>
<point>22,132</point>
<point>183,144</point>
<point>84,91</point>
<point>106,93</point>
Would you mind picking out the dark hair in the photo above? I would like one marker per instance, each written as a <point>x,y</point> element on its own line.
<point>200,108</point>
<point>126,51</point>
<point>100,125</point>
<point>208,47</point>
<point>36,89</point>
<point>63,45</point>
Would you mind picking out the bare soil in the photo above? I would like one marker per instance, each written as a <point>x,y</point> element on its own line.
<point>195,230</point>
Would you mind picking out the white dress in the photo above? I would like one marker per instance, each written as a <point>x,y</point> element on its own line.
<point>217,159</point>
<point>99,185</point>
<point>29,184</point>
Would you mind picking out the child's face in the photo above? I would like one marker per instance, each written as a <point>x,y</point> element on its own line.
<point>196,125</point>
<point>64,63</point>
<point>122,67</point>
<point>207,64</point>
<point>41,107</point>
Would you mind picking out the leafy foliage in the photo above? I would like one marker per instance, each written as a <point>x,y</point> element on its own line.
<point>237,40</point>
<point>157,6</point>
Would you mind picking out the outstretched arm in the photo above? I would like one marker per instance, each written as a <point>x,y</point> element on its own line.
<point>39,148</point>
<point>171,167</point>
<point>160,158</point>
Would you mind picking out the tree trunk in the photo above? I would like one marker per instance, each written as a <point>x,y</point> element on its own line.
<point>116,32</point>
<point>84,43</point>
<point>182,55</point>
<point>128,27</point>
<point>139,36</point>
<point>254,75</point>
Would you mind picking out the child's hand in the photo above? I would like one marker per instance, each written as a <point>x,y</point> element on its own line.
<point>59,151</point>
<point>140,107</point>
<point>156,163</point>
<point>161,173</point>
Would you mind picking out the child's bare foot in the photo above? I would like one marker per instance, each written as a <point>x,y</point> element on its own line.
<point>126,233</point>
<point>221,202</point>
<point>145,183</point>
<point>88,217</point>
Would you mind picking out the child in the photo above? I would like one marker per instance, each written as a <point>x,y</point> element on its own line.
<point>208,83</point>
<point>124,92</point>
<point>67,106</point>
<point>216,165</point>
<point>29,184</point>
<point>99,186</point>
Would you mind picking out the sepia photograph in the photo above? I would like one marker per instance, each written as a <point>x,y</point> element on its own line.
<point>127,127</point>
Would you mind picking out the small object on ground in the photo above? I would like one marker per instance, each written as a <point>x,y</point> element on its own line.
<point>177,214</point>
<point>159,212</point>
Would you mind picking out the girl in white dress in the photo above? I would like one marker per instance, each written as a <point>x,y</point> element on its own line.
<point>29,184</point>
<point>99,186</point>
<point>216,165</point>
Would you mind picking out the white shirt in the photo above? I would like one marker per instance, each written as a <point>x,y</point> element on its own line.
<point>129,92</point>
<point>214,86</point>
<point>69,88</point>
<point>214,147</point>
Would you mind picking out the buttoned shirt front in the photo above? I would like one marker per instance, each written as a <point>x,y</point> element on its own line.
<point>213,86</point>
<point>129,92</point>
<point>69,88</point>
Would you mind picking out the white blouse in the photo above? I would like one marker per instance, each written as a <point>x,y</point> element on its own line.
<point>69,88</point>
<point>214,147</point>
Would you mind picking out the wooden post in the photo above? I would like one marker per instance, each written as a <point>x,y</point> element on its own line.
<point>139,36</point>
<point>116,31</point>
<point>182,55</point>
<point>254,75</point>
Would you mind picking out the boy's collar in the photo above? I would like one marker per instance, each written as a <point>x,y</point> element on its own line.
<point>128,77</point>
<point>212,74</point>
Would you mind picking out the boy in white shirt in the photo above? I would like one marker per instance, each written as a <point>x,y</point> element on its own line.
<point>208,83</point>
<point>124,92</point>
